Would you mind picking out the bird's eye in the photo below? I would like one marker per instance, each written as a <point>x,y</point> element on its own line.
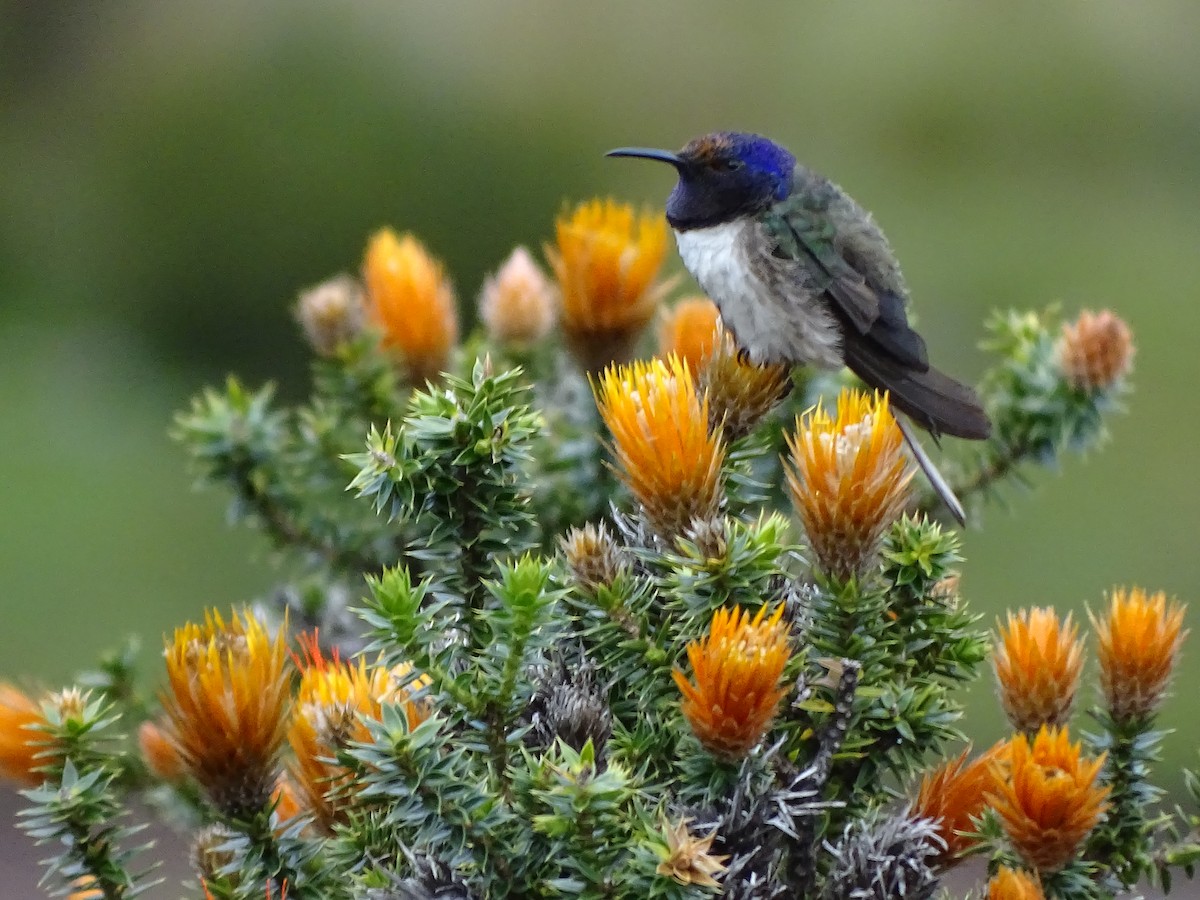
<point>732,165</point>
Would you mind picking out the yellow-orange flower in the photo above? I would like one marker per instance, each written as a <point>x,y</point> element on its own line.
<point>740,394</point>
<point>665,452</point>
<point>606,259</point>
<point>1047,797</point>
<point>688,859</point>
<point>226,708</point>
<point>332,701</point>
<point>517,304</point>
<point>1095,351</point>
<point>286,799</point>
<point>85,889</point>
<point>412,301</point>
<point>955,792</point>
<point>19,742</point>
<point>1037,663</point>
<point>1138,641</point>
<point>689,330</point>
<point>736,691</point>
<point>1014,884</point>
<point>159,752</point>
<point>848,479</point>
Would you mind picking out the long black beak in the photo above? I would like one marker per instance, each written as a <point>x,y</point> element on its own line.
<point>649,153</point>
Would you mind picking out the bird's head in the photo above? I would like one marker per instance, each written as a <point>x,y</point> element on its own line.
<point>722,176</point>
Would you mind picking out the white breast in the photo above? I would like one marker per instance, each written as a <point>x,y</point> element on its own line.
<point>767,306</point>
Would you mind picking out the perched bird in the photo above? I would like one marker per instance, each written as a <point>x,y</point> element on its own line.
<point>802,275</point>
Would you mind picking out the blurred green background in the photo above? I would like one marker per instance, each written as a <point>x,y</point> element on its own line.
<point>171,174</point>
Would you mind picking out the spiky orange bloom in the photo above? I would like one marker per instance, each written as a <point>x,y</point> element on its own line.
<point>740,394</point>
<point>736,668</point>
<point>159,753</point>
<point>517,304</point>
<point>666,454</point>
<point>1046,797</point>
<point>1138,641</point>
<point>286,799</point>
<point>226,708</point>
<point>848,479</point>
<point>19,743</point>
<point>606,260</point>
<point>1014,884</point>
<point>953,793</point>
<point>688,859</point>
<point>412,301</point>
<point>1037,662</point>
<point>1095,351</point>
<point>689,330</point>
<point>333,698</point>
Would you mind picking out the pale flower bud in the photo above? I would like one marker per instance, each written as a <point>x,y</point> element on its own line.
<point>517,303</point>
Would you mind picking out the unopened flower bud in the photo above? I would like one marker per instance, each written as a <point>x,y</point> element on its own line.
<point>332,313</point>
<point>517,302</point>
<point>1095,351</point>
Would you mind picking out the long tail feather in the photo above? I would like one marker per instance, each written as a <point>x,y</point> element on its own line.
<point>941,487</point>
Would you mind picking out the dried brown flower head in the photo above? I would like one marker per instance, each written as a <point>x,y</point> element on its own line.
<point>332,314</point>
<point>689,859</point>
<point>740,394</point>
<point>1095,351</point>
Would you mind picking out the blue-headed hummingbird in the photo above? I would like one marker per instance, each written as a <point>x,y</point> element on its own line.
<point>802,275</point>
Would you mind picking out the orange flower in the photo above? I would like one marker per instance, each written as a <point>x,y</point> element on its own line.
<point>689,859</point>
<point>226,708</point>
<point>286,799</point>
<point>85,889</point>
<point>848,480</point>
<point>736,670</point>
<point>1014,884</point>
<point>1046,797</point>
<point>1037,663</point>
<point>740,394</point>
<point>689,330</point>
<point>1138,643</point>
<point>19,741</point>
<point>517,304</point>
<point>410,298</point>
<point>159,753</point>
<point>1095,351</point>
<point>955,792</point>
<point>667,457</point>
<point>606,259</point>
<point>333,699</point>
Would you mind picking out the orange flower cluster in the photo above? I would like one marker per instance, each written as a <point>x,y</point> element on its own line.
<point>689,330</point>
<point>19,741</point>
<point>412,301</point>
<point>1047,797</point>
<point>1095,351</point>
<point>1138,641</point>
<point>666,455</point>
<point>736,667</point>
<point>226,708</point>
<point>333,699</point>
<point>848,480</point>
<point>517,303</point>
<point>1014,884</point>
<point>606,259</point>
<point>955,792</point>
<point>1037,663</point>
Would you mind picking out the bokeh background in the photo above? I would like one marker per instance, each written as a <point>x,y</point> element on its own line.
<point>172,173</point>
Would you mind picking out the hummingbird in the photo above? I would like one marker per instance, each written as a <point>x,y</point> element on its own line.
<point>802,275</point>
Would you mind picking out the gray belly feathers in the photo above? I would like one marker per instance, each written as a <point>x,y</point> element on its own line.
<point>772,306</point>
